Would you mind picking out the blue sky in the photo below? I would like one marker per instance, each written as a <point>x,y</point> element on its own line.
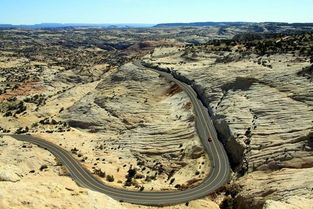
<point>153,11</point>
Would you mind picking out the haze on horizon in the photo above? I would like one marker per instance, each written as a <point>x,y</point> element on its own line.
<point>153,11</point>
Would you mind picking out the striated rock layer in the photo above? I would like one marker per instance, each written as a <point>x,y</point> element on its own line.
<point>133,129</point>
<point>262,109</point>
<point>35,179</point>
<point>143,126</point>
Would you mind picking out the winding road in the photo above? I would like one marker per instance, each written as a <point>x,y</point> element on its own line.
<point>218,176</point>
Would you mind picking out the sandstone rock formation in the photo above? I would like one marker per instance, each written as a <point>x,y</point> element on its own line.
<point>135,130</point>
<point>141,123</point>
<point>48,187</point>
<point>262,109</point>
<point>41,188</point>
<point>8,173</point>
<point>131,128</point>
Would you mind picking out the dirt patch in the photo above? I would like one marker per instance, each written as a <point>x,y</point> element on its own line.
<point>25,89</point>
<point>175,89</point>
<point>188,106</point>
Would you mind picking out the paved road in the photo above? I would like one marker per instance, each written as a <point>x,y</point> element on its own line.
<point>218,176</point>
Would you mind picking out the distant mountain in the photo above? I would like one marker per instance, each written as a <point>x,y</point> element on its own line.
<point>67,25</point>
<point>168,25</point>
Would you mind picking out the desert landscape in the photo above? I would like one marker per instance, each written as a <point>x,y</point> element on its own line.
<point>135,130</point>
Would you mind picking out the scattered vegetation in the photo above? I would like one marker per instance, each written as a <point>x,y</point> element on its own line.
<point>110,178</point>
<point>259,43</point>
<point>12,107</point>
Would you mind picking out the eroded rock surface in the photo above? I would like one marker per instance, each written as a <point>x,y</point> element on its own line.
<point>143,126</point>
<point>131,128</point>
<point>262,109</point>
<point>40,184</point>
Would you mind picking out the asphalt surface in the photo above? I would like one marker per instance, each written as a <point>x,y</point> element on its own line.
<point>217,177</point>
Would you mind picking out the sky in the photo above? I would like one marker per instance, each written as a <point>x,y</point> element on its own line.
<point>153,11</point>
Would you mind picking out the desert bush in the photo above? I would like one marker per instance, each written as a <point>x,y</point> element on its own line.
<point>110,178</point>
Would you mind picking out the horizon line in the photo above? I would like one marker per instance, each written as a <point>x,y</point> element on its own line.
<point>138,23</point>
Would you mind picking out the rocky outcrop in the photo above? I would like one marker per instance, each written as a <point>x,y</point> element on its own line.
<point>263,114</point>
<point>285,184</point>
<point>9,173</point>
<point>290,203</point>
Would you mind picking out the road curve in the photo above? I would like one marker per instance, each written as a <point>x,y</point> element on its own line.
<point>218,176</point>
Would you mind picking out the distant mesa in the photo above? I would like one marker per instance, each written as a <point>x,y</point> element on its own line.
<point>200,24</point>
<point>219,24</point>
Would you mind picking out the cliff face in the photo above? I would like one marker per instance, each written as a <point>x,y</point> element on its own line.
<point>262,109</point>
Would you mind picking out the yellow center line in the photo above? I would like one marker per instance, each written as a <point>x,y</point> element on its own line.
<point>198,104</point>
